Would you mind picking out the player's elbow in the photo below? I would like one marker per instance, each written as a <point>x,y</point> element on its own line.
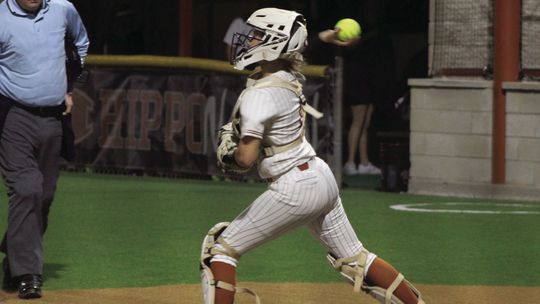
<point>244,161</point>
<point>248,152</point>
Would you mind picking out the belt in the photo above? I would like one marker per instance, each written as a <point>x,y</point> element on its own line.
<point>51,111</point>
<point>301,167</point>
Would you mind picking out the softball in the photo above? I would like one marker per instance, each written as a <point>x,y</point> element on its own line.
<point>348,29</point>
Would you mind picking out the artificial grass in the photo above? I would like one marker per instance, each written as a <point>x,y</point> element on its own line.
<point>122,231</point>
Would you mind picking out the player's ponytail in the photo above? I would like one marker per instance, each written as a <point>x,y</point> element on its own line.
<point>292,52</point>
<point>294,62</point>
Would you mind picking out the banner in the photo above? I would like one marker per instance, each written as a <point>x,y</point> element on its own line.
<point>164,121</point>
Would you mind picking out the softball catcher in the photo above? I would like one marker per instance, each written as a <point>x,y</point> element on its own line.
<point>267,128</point>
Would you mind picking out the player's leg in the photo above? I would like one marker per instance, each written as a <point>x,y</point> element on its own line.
<point>347,254</point>
<point>381,273</point>
<point>354,136</point>
<point>363,269</point>
<point>365,166</point>
<point>363,143</point>
<point>224,272</point>
<point>295,199</point>
<point>218,268</point>
<point>292,201</point>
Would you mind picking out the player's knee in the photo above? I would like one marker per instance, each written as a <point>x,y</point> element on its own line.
<point>216,249</point>
<point>355,269</point>
<point>223,252</point>
<point>208,254</point>
<point>217,264</point>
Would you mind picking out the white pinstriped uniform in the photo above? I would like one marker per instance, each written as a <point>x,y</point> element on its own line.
<point>295,198</point>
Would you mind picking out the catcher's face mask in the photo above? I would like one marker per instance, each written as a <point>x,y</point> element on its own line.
<point>242,43</point>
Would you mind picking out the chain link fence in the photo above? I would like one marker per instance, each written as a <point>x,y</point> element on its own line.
<point>461,37</point>
<point>530,38</point>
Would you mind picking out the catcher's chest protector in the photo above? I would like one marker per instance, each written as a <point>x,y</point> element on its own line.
<point>276,82</point>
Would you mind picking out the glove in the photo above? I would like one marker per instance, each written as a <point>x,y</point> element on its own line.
<point>228,144</point>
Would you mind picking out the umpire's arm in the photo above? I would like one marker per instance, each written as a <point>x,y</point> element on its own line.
<point>77,32</point>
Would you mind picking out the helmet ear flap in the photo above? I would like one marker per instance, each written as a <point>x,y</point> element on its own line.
<point>298,40</point>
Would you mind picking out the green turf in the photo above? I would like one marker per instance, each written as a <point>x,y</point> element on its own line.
<point>118,231</point>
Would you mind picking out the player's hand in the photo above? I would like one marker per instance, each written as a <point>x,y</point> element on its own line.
<point>331,36</point>
<point>228,144</point>
<point>68,99</point>
<point>226,160</point>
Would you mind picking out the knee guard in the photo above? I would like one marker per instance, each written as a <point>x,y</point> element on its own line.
<point>208,251</point>
<point>353,268</point>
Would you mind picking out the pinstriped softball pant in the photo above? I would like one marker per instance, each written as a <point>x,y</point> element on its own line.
<point>308,198</point>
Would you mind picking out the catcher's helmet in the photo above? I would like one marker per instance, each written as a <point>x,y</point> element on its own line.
<point>283,35</point>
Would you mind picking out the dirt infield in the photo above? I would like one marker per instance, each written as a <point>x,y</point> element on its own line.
<point>283,293</point>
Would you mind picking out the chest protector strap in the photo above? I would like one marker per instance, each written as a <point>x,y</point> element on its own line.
<point>277,82</point>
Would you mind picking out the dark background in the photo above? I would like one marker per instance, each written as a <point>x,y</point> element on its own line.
<point>152,27</point>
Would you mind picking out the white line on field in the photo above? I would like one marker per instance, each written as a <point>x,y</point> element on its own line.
<point>426,207</point>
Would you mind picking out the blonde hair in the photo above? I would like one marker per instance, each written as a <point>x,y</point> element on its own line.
<point>294,63</point>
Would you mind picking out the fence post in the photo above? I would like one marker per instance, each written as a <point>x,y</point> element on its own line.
<point>338,119</point>
<point>506,68</point>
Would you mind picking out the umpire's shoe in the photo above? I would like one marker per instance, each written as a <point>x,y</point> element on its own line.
<point>30,286</point>
<point>9,283</point>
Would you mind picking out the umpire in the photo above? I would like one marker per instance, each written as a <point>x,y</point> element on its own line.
<point>34,103</point>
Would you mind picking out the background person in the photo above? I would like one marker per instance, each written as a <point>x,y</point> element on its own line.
<point>33,100</point>
<point>368,79</point>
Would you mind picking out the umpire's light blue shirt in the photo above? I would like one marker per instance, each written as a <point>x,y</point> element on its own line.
<point>32,53</point>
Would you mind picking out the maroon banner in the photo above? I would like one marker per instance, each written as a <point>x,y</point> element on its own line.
<point>165,121</point>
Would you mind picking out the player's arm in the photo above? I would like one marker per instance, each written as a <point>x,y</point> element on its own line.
<point>248,151</point>
<point>331,36</point>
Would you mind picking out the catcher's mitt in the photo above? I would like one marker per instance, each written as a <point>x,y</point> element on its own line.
<point>228,143</point>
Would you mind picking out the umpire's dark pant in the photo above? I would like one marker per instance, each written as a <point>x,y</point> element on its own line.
<point>29,159</point>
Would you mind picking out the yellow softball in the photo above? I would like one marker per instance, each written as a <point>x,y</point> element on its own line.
<point>348,29</point>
